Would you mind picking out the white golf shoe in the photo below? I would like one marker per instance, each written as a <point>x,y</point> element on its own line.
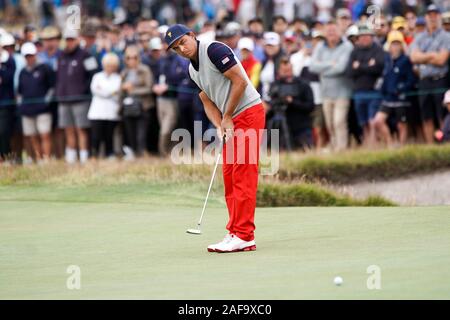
<point>235,244</point>
<point>212,248</point>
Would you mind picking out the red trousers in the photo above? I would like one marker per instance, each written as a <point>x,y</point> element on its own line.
<point>240,171</point>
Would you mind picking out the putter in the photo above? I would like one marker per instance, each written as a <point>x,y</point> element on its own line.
<point>198,231</point>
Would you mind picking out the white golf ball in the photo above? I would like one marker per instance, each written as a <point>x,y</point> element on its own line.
<point>338,281</point>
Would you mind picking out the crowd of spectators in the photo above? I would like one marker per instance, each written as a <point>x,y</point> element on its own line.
<point>332,75</point>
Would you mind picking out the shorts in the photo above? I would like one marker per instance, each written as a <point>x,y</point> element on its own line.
<point>399,114</point>
<point>367,104</point>
<point>73,114</point>
<point>318,117</point>
<point>40,124</point>
<point>430,99</point>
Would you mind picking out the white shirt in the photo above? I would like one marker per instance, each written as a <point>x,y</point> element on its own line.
<point>267,77</point>
<point>105,101</point>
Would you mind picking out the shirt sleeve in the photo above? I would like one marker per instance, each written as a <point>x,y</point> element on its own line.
<point>221,56</point>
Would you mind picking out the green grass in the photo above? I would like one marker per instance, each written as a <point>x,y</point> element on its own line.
<point>359,165</point>
<point>132,244</point>
<point>137,181</point>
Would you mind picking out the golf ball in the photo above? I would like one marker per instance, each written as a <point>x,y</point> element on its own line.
<point>338,281</point>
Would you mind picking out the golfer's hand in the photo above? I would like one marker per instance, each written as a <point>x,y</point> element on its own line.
<point>226,127</point>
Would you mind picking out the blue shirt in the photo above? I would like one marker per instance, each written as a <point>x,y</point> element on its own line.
<point>426,42</point>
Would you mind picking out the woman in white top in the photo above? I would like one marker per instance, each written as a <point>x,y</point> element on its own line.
<point>105,107</point>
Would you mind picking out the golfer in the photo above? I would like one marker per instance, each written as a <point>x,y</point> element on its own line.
<point>234,106</point>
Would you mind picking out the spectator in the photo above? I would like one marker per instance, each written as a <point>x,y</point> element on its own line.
<point>104,110</point>
<point>398,79</point>
<point>381,31</point>
<point>446,125</point>
<point>36,85</point>
<point>256,33</point>
<point>446,21</point>
<point>280,26</point>
<point>291,43</point>
<point>411,20</point>
<point>273,54</point>
<point>297,97</point>
<point>7,71</point>
<point>430,51</point>
<point>421,25</point>
<point>136,98</point>
<point>318,121</point>
<point>75,70</point>
<point>251,65</point>
<point>329,60</point>
<point>365,69</point>
<point>343,19</point>
<point>352,34</point>
<point>172,71</point>
<point>51,38</point>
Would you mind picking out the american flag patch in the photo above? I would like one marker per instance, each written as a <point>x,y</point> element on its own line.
<point>226,60</point>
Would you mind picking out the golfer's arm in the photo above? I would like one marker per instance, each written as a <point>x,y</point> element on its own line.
<point>238,85</point>
<point>212,112</point>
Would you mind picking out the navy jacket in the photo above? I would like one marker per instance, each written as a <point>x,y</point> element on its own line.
<point>34,85</point>
<point>175,69</point>
<point>398,78</point>
<point>74,74</point>
<point>7,71</point>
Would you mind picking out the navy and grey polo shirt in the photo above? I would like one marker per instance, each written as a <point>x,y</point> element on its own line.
<point>426,42</point>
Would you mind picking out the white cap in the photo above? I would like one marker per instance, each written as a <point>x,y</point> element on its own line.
<point>352,31</point>
<point>246,43</point>
<point>232,28</point>
<point>71,33</point>
<point>156,44</point>
<point>272,38</point>
<point>7,39</point>
<point>163,29</point>
<point>28,49</point>
<point>447,97</point>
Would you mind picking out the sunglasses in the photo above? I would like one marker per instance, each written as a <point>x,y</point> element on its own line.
<point>131,58</point>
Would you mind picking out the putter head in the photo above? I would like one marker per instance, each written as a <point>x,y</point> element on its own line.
<point>194,231</point>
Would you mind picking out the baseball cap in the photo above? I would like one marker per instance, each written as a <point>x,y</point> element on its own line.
<point>446,17</point>
<point>398,22</point>
<point>163,29</point>
<point>50,32</point>
<point>271,39</point>
<point>174,33</point>
<point>420,21</point>
<point>316,34</point>
<point>28,49</point>
<point>433,8</point>
<point>246,43</point>
<point>232,28</point>
<point>156,43</point>
<point>343,13</point>
<point>365,30</point>
<point>70,33</point>
<point>7,40</point>
<point>395,35</point>
<point>447,97</point>
<point>352,31</point>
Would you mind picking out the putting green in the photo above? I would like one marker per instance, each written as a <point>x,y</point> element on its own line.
<point>133,249</point>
